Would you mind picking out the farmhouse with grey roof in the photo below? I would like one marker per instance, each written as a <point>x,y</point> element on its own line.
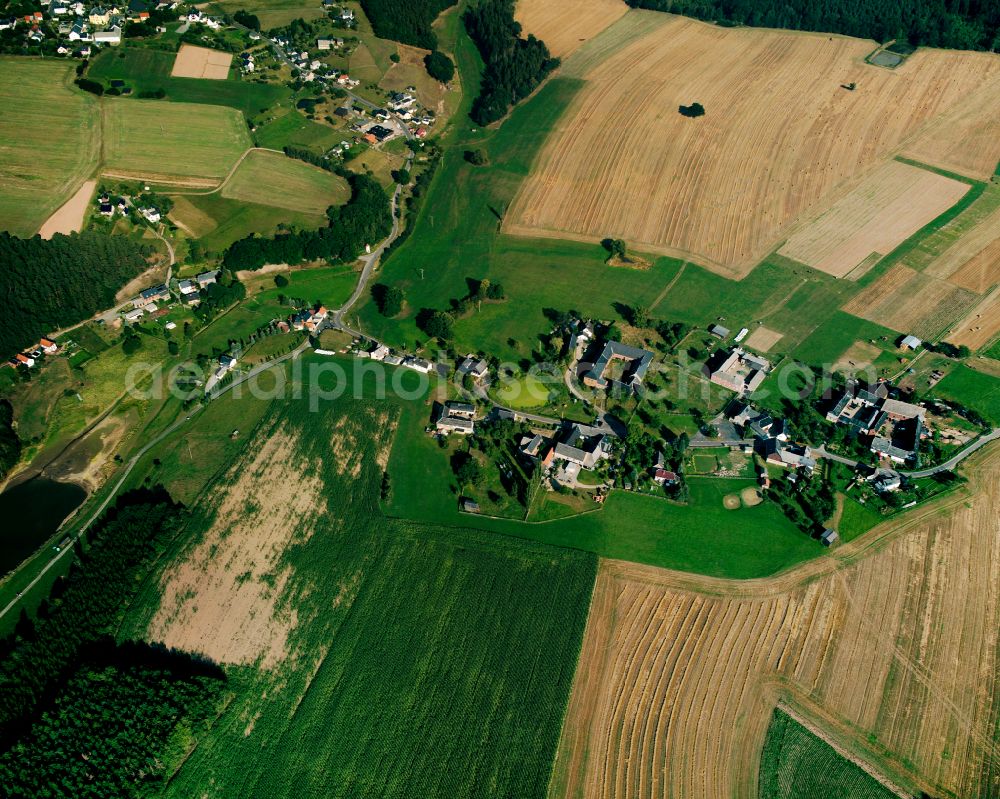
<point>637,362</point>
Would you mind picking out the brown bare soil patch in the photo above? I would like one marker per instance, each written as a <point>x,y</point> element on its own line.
<point>892,204</point>
<point>750,497</point>
<point>628,262</point>
<point>69,218</point>
<point>890,645</point>
<point>780,142</point>
<point>566,24</point>
<point>981,325</point>
<point>201,62</point>
<point>860,355</point>
<point>224,598</point>
<point>762,339</point>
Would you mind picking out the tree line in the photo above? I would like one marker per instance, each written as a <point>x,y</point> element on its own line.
<point>364,219</point>
<point>46,285</point>
<point>409,22</point>
<point>10,444</point>
<point>959,24</point>
<point>514,66</point>
<point>83,606</point>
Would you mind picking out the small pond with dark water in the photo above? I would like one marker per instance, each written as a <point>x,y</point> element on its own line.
<point>30,513</point>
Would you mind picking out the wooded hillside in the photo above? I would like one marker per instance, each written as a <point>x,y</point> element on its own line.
<point>957,24</point>
<point>47,285</point>
<point>409,22</point>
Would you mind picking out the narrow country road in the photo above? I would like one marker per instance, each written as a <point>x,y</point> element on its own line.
<point>951,463</point>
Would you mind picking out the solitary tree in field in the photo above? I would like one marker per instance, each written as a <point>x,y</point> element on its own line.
<point>693,110</point>
<point>439,66</point>
<point>616,247</point>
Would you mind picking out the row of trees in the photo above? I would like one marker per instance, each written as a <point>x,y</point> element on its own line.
<point>47,285</point>
<point>514,66</point>
<point>10,444</point>
<point>960,24</point>
<point>365,219</point>
<point>409,22</point>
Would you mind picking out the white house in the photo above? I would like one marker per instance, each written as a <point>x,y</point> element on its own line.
<point>111,36</point>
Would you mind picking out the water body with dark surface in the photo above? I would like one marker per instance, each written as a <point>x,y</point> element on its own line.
<point>30,513</point>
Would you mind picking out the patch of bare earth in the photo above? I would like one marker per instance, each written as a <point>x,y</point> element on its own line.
<point>69,217</point>
<point>224,598</point>
<point>889,644</point>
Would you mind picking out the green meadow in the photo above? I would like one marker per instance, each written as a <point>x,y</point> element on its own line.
<point>50,140</point>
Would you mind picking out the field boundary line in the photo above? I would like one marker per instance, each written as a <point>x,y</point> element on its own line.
<point>798,715</point>
<point>660,297</point>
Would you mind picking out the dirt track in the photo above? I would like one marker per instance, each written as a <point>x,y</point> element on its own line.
<point>890,642</point>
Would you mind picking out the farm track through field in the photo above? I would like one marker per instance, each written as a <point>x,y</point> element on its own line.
<point>891,639</point>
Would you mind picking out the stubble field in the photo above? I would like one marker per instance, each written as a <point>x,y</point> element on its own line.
<point>781,139</point>
<point>892,204</point>
<point>889,646</point>
<point>566,24</point>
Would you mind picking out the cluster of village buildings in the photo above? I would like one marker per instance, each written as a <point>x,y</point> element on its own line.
<point>80,24</point>
<point>187,291</point>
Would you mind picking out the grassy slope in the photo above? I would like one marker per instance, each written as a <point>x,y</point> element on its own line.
<point>294,129</point>
<point>973,389</point>
<point>49,134</point>
<point>426,662</point>
<point>795,764</point>
<point>277,180</point>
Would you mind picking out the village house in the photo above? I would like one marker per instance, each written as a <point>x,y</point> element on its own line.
<point>829,537</point>
<point>737,370</point>
<point>111,36</point>
<point>903,444</point>
<point>787,456</point>
<point>719,331</point>
<point>910,343</point>
<point>456,417</point>
<point>24,360</point>
<point>152,294</point>
<point>48,346</point>
<point>417,364</point>
<point>187,286</point>
<point>477,369</point>
<point>634,363</point>
<point>582,445</point>
<point>206,278</point>
<point>885,481</point>
<point>134,315</point>
<point>151,214</point>
<point>99,16</point>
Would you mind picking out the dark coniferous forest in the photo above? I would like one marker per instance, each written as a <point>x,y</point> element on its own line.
<point>46,285</point>
<point>958,24</point>
<point>407,22</point>
<point>514,65</point>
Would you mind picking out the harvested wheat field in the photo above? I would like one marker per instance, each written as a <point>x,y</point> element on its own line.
<point>780,141</point>
<point>966,140</point>
<point>223,599</point>
<point>566,24</point>
<point>911,302</point>
<point>889,646</point>
<point>201,62</point>
<point>981,325</point>
<point>892,204</point>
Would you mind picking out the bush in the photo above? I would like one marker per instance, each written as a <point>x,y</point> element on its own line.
<point>388,299</point>
<point>475,157</point>
<point>436,324</point>
<point>693,110</point>
<point>280,281</point>
<point>439,66</point>
<point>91,86</point>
